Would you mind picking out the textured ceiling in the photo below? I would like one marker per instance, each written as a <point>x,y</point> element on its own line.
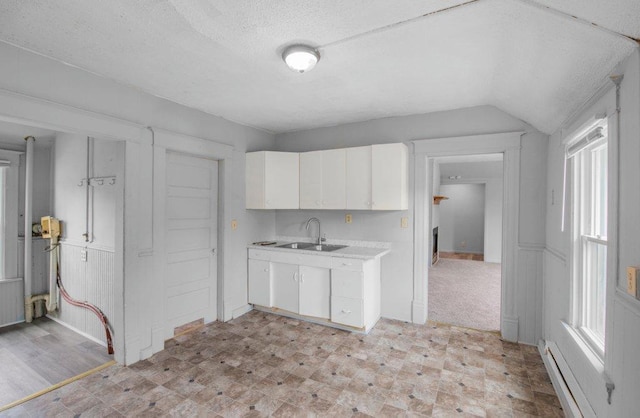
<point>223,57</point>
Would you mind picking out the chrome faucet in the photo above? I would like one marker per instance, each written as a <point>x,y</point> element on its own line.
<point>320,239</point>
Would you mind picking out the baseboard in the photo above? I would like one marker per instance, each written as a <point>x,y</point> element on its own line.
<point>418,312</point>
<point>241,310</point>
<point>510,329</point>
<point>77,331</point>
<point>573,400</point>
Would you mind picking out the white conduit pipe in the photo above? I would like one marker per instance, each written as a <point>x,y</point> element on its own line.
<point>28,214</point>
<point>52,300</point>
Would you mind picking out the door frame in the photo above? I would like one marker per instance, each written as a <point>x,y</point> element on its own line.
<point>507,144</point>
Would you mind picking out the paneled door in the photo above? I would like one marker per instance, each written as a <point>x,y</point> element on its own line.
<point>191,238</point>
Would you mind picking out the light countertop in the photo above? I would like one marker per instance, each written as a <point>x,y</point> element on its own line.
<point>351,251</point>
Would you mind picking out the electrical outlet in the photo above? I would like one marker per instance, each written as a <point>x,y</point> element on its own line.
<point>632,281</point>
<point>234,224</point>
<point>404,222</point>
<point>83,255</point>
<point>347,218</point>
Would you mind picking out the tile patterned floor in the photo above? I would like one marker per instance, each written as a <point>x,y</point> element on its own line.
<point>262,364</point>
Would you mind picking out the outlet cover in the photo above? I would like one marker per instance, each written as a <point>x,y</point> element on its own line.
<point>347,218</point>
<point>632,281</point>
<point>83,255</point>
<point>234,224</point>
<point>404,222</point>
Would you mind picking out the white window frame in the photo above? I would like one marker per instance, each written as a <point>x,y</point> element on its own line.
<point>582,218</point>
<point>11,163</point>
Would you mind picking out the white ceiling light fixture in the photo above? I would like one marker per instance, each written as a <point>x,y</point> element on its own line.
<point>300,58</point>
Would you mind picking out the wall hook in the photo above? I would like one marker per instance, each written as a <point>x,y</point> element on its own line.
<point>100,182</point>
<point>112,182</point>
<point>81,183</point>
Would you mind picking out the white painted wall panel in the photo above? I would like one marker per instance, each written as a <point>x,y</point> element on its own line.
<point>12,306</point>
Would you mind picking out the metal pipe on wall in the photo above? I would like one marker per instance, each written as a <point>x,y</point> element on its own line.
<point>28,217</point>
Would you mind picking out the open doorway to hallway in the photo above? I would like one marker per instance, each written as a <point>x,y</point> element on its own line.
<point>47,336</point>
<point>466,229</point>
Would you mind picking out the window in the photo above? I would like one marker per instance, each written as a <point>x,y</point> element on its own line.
<point>588,155</point>
<point>9,163</point>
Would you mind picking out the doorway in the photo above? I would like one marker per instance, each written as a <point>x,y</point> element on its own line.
<point>465,280</point>
<point>78,180</point>
<point>191,240</point>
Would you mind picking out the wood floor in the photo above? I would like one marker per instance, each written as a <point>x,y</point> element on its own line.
<point>462,256</point>
<point>38,355</point>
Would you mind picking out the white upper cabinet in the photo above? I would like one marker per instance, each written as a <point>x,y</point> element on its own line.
<point>272,180</point>
<point>323,179</point>
<point>359,178</point>
<point>377,177</point>
<point>389,177</point>
<point>374,177</point>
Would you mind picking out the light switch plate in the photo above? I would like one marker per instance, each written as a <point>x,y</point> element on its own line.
<point>347,218</point>
<point>234,224</point>
<point>404,222</point>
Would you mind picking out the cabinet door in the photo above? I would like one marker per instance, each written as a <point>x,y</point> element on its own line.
<point>334,194</point>
<point>254,172</point>
<point>358,178</point>
<point>285,286</point>
<point>259,283</point>
<point>389,185</point>
<point>311,180</point>
<point>281,182</point>
<point>315,291</point>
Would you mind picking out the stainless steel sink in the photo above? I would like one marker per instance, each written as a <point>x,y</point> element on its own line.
<point>325,247</point>
<point>297,245</point>
<point>311,246</point>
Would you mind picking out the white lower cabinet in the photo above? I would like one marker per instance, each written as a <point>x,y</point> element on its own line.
<point>260,283</point>
<point>285,286</point>
<point>339,291</point>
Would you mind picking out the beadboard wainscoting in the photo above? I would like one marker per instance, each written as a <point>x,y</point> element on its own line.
<point>91,281</point>
<point>12,306</point>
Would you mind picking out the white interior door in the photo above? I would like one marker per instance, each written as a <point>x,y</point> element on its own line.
<point>191,238</point>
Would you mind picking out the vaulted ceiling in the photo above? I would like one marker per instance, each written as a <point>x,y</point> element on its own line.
<point>380,58</point>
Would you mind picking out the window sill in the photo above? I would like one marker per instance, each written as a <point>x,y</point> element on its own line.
<point>594,358</point>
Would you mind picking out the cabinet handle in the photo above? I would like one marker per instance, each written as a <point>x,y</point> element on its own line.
<point>347,264</point>
<point>346,311</point>
<point>266,270</point>
<point>295,276</point>
<point>302,278</point>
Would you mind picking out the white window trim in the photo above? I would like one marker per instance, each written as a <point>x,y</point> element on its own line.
<point>10,214</point>
<point>578,241</point>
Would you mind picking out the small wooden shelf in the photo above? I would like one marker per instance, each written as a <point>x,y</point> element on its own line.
<point>437,199</point>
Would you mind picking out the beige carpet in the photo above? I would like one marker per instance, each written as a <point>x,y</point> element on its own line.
<point>465,293</point>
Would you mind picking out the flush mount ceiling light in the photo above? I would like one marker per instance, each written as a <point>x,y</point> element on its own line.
<point>300,58</point>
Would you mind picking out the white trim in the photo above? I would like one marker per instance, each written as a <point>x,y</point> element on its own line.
<point>506,143</point>
<point>559,372</point>
<point>187,144</point>
<point>468,145</point>
<point>27,110</point>
<point>76,330</point>
<point>238,312</point>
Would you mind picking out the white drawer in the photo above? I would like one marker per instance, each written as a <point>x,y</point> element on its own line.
<point>289,257</point>
<point>259,254</point>
<point>352,264</point>
<point>347,283</point>
<point>347,311</point>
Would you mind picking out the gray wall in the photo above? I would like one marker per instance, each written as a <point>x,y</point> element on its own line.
<point>622,363</point>
<point>397,267</point>
<point>462,218</point>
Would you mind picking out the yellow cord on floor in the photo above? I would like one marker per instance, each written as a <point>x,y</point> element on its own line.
<point>57,386</point>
